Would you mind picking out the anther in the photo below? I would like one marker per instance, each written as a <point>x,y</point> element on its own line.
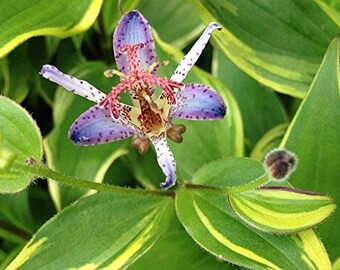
<point>110,72</point>
<point>157,64</point>
<point>175,133</point>
<point>142,144</point>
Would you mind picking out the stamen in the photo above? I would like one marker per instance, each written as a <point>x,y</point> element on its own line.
<point>110,72</point>
<point>156,65</point>
<point>142,144</point>
<point>175,133</point>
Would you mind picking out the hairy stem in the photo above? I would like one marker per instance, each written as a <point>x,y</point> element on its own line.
<point>44,171</point>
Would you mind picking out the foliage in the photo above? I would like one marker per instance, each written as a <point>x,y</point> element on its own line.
<point>276,66</point>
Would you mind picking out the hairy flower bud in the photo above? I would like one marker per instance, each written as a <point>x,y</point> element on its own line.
<point>280,163</point>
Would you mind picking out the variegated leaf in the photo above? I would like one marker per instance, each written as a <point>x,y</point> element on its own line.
<point>102,231</point>
<point>62,18</point>
<point>281,209</point>
<point>213,225</point>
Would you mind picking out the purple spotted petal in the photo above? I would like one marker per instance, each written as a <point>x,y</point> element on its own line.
<point>133,28</point>
<point>96,126</point>
<point>72,84</point>
<point>165,160</point>
<point>199,102</point>
<point>191,57</point>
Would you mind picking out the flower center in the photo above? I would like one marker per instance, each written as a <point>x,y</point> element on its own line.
<point>140,82</point>
<point>151,121</point>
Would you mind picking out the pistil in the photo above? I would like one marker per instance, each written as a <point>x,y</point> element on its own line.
<point>138,80</point>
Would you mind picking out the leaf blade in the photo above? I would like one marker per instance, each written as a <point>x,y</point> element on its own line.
<point>316,125</point>
<point>20,26</point>
<point>110,235</point>
<point>21,136</point>
<point>281,209</point>
<point>279,59</point>
<point>213,226</point>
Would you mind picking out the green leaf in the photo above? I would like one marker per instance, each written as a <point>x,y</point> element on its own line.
<point>90,162</point>
<point>314,135</point>
<point>177,24</point>
<point>281,209</point>
<point>331,8</point>
<point>336,264</point>
<point>212,224</point>
<point>228,172</point>
<point>104,230</point>
<point>284,56</point>
<point>61,18</point>
<point>145,168</point>
<point>176,250</point>
<point>271,139</point>
<point>224,137</point>
<point>21,140</point>
<point>15,211</point>
<point>13,67</point>
<point>260,107</point>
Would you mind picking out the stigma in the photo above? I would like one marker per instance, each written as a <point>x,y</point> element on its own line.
<point>138,81</point>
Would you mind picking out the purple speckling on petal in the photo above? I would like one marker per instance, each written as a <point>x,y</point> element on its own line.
<point>199,102</point>
<point>132,29</point>
<point>97,127</point>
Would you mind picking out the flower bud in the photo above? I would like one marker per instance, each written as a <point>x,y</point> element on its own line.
<point>30,161</point>
<point>280,163</point>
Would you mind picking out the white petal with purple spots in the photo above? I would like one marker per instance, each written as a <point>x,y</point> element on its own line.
<point>199,102</point>
<point>72,84</point>
<point>165,160</point>
<point>96,126</point>
<point>191,57</point>
<point>132,29</point>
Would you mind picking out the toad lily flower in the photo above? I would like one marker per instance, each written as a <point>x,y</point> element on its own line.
<point>150,116</point>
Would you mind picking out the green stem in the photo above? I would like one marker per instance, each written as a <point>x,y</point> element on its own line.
<point>46,172</point>
<point>232,190</point>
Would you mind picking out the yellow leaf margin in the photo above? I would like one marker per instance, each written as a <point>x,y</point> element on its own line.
<point>87,20</point>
